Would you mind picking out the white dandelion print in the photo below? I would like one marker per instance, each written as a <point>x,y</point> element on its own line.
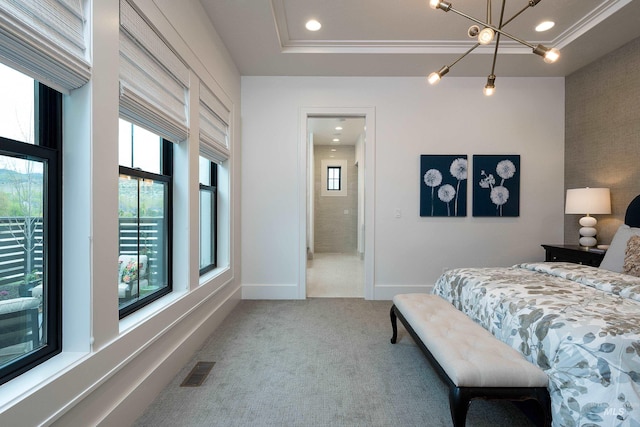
<point>432,178</point>
<point>458,170</point>
<point>497,185</point>
<point>499,196</point>
<point>505,169</point>
<point>446,193</point>
<point>443,187</point>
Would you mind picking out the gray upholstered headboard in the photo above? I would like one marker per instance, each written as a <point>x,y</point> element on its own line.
<point>632,217</point>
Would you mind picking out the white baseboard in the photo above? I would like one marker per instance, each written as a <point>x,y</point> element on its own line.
<point>121,395</point>
<point>289,291</point>
<point>168,363</point>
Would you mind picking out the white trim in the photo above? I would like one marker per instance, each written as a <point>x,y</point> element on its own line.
<point>285,292</point>
<point>424,47</point>
<point>369,178</point>
<point>593,18</point>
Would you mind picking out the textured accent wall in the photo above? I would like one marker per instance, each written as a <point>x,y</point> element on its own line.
<point>335,231</point>
<point>602,139</point>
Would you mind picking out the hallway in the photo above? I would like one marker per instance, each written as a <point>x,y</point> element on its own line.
<point>335,275</point>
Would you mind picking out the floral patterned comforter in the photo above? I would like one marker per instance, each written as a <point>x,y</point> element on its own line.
<point>579,324</point>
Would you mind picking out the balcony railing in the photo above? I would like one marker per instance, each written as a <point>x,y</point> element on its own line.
<point>21,246</point>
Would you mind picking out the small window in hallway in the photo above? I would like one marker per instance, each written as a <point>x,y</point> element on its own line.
<point>333,178</point>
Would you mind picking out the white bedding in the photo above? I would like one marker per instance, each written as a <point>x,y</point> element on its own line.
<point>580,324</point>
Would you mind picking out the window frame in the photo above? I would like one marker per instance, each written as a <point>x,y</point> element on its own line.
<point>331,179</point>
<point>47,148</point>
<point>166,176</point>
<point>213,189</point>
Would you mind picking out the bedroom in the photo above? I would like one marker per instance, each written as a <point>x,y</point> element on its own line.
<point>553,123</point>
<point>267,257</point>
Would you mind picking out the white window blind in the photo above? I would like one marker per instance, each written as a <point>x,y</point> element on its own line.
<point>45,40</point>
<point>154,81</point>
<point>214,126</point>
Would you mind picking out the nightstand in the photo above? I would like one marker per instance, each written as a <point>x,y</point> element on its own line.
<point>574,253</point>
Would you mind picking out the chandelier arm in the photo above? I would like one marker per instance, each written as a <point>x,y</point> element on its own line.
<point>464,54</point>
<point>489,11</point>
<point>497,30</point>
<point>518,14</point>
<point>495,52</point>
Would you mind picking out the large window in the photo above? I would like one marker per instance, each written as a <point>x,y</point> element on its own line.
<point>208,215</point>
<point>30,223</point>
<point>144,259</point>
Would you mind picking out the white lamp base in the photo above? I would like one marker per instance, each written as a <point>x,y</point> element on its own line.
<point>588,231</point>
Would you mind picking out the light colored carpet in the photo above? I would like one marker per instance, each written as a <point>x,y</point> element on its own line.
<point>317,362</point>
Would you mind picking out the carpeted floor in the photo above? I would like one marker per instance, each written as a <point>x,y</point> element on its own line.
<point>317,362</point>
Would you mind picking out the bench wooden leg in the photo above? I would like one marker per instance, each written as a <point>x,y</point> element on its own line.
<point>394,324</point>
<point>544,400</point>
<point>459,405</point>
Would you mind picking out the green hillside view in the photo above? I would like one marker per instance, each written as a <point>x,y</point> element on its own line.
<point>20,193</point>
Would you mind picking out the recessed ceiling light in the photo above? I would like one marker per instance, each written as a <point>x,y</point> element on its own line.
<point>338,127</point>
<point>336,140</point>
<point>333,149</point>
<point>545,25</point>
<point>313,25</point>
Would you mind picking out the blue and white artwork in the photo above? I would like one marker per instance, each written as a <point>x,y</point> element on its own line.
<point>496,185</point>
<point>443,185</point>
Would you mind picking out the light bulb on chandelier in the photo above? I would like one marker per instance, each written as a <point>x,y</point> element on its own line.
<point>490,87</point>
<point>486,36</point>
<point>436,76</point>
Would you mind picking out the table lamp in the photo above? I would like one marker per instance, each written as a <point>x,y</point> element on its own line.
<point>587,201</point>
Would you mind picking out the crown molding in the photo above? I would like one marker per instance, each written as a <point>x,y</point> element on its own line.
<point>288,45</point>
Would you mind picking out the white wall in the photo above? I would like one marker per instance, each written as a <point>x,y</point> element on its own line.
<point>109,369</point>
<point>525,117</point>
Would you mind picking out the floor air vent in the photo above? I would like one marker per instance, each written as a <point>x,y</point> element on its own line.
<point>198,374</point>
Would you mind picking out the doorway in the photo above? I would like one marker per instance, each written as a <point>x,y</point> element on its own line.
<point>335,250</point>
<point>355,263</point>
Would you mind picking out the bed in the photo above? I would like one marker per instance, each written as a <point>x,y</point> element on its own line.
<point>579,324</point>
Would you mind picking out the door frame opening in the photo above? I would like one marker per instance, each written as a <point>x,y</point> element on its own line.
<point>304,147</point>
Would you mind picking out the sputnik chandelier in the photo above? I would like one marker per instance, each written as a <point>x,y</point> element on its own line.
<point>486,33</point>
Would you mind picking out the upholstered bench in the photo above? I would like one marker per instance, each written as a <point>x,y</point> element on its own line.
<point>473,362</point>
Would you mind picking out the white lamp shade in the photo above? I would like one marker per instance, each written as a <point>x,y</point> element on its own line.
<point>588,201</point>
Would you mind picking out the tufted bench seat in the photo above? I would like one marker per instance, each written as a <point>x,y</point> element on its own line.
<point>473,362</point>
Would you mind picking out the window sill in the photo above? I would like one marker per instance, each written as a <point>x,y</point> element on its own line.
<point>140,316</point>
<point>28,383</point>
<point>213,274</point>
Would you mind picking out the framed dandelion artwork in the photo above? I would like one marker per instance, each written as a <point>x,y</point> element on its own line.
<point>443,185</point>
<point>496,185</point>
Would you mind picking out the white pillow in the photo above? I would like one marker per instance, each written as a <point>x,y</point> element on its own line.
<point>614,257</point>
